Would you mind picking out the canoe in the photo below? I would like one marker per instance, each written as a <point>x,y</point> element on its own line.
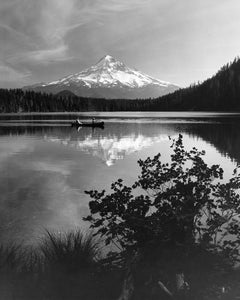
<point>87,124</point>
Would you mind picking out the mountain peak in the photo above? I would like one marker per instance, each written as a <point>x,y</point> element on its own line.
<point>108,57</point>
<point>109,62</point>
<point>110,77</point>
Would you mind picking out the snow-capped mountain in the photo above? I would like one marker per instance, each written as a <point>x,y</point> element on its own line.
<point>109,78</point>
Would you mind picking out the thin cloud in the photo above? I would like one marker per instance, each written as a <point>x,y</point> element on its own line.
<point>9,74</point>
<point>43,56</point>
<point>45,24</point>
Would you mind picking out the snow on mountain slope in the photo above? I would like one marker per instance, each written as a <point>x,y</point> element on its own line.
<point>109,78</point>
<point>110,72</point>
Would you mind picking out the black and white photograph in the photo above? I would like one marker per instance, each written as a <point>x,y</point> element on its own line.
<point>119,150</point>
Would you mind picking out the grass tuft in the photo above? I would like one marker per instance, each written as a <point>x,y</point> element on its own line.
<point>73,251</point>
<point>63,266</point>
<point>11,257</point>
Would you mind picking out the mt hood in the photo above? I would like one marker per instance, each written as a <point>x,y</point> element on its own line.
<point>108,78</point>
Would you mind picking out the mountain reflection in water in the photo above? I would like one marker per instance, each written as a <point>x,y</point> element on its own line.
<point>46,169</point>
<point>112,148</point>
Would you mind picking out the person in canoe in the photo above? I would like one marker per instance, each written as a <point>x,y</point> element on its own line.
<point>78,122</point>
<point>93,120</point>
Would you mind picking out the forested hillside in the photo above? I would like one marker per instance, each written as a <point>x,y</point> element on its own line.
<point>220,93</point>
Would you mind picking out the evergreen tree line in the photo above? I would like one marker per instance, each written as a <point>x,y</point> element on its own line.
<point>17,100</point>
<point>219,93</point>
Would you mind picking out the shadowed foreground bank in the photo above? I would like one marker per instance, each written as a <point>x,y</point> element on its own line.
<point>69,266</point>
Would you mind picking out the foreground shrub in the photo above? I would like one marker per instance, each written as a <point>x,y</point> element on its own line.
<point>184,209</point>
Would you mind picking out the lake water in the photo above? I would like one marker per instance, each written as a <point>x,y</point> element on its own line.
<point>46,165</point>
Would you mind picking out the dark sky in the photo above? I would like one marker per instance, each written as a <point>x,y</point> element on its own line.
<point>181,41</point>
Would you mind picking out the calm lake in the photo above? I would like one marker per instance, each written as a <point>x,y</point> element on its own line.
<point>46,165</point>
